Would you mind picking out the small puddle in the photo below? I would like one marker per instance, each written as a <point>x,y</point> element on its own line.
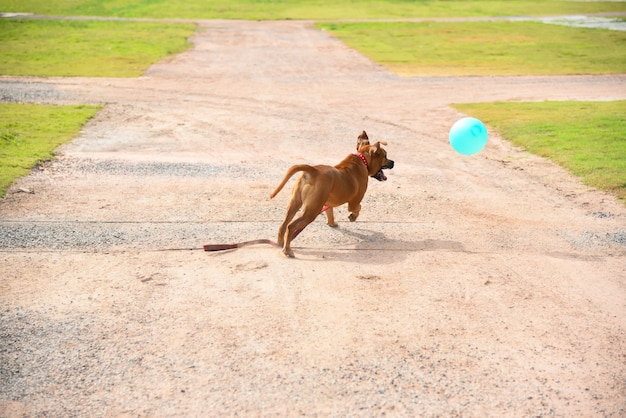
<point>593,22</point>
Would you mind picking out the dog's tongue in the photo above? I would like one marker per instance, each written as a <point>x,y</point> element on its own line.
<point>380,176</point>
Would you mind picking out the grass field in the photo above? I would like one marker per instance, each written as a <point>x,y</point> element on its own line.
<point>587,138</point>
<point>87,48</point>
<point>29,133</point>
<point>127,49</point>
<point>485,48</point>
<point>311,9</point>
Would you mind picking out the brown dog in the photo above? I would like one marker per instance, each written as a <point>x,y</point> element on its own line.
<point>323,187</point>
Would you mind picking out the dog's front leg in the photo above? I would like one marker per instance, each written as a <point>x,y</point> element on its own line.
<point>330,217</point>
<point>354,209</point>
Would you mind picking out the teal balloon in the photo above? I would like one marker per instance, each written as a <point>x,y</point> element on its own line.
<point>468,136</point>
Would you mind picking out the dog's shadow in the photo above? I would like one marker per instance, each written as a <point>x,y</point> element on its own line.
<point>376,248</point>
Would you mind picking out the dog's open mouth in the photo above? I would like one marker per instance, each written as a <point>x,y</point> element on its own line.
<point>380,176</point>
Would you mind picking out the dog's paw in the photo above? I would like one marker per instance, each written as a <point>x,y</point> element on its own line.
<point>333,225</point>
<point>353,217</point>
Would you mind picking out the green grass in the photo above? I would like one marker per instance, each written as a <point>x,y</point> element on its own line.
<point>300,9</point>
<point>29,134</point>
<point>485,48</point>
<point>587,138</point>
<point>86,48</point>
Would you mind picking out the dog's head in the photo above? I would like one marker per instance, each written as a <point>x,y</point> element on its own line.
<point>378,160</point>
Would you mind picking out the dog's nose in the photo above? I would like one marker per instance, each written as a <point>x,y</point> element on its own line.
<point>389,164</point>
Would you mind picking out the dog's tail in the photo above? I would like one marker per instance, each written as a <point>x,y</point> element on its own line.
<point>293,170</point>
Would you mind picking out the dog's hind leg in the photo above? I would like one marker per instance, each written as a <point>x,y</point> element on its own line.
<point>295,227</point>
<point>294,206</point>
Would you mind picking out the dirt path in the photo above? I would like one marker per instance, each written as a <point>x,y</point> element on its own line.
<point>476,286</point>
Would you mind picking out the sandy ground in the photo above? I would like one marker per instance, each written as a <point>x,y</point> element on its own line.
<point>491,285</point>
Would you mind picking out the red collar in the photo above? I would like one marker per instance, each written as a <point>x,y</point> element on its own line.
<point>358,154</point>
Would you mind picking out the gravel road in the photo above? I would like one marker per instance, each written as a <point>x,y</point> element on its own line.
<point>492,285</point>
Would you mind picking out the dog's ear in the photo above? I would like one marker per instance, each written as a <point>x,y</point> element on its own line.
<point>374,148</point>
<point>362,140</point>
